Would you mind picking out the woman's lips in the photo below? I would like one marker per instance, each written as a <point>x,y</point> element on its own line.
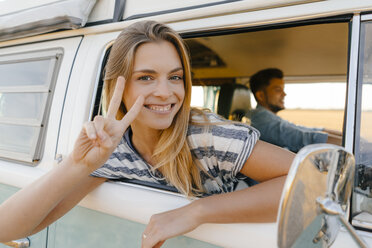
<point>160,108</point>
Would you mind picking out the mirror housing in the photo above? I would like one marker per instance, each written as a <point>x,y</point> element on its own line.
<point>316,196</point>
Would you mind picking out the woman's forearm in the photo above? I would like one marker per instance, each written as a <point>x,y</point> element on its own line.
<point>25,210</point>
<point>255,204</point>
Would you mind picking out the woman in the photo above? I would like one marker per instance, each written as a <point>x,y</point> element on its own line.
<point>166,142</point>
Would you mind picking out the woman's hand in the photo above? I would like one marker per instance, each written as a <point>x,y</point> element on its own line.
<point>99,138</point>
<point>170,224</point>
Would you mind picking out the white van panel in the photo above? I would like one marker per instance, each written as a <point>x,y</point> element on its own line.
<point>266,16</point>
<point>103,10</point>
<point>69,47</point>
<point>138,8</point>
<point>83,82</point>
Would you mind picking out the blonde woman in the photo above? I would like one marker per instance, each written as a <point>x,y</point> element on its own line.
<point>151,133</point>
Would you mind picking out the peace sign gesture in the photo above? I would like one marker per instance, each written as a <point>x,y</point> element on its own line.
<point>99,138</point>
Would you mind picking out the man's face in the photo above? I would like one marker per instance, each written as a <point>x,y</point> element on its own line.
<point>273,95</point>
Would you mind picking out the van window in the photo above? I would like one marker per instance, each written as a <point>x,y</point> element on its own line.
<point>311,55</point>
<point>26,87</point>
<point>362,199</point>
<point>312,105</point>
<point>313,59</point>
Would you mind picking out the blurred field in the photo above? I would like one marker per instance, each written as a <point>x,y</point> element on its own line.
<point>332,119</point>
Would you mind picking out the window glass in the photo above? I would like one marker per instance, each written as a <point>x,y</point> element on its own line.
<point>17,138</point>
<point>26,87</point>
<point>362,199</point>
<point>204,97</point>
<point>318,105</point>
<point>22,105</point>
<point>25,73</point>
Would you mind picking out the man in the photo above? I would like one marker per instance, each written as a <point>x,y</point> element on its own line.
<point>268,89</point>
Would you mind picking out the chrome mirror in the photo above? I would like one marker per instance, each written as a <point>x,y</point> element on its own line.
<point>315,197</point>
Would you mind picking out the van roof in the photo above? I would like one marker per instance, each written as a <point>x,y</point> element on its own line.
<point>23,18</point>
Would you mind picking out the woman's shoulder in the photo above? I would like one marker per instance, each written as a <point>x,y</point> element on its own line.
<point>206,122</point>
<point>204,116</point>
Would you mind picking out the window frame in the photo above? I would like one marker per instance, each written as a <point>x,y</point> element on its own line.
<point>55,55</point>
<point>363,20</point>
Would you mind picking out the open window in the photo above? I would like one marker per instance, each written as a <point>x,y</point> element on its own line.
<point>26,89</point>
<point>312,57</point>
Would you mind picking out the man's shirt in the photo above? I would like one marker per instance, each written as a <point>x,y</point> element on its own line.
<point>283,133</point>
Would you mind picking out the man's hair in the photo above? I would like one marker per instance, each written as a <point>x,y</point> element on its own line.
<point>261,79</point>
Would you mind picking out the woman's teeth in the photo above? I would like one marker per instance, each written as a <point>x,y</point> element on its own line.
<point>163,108</point>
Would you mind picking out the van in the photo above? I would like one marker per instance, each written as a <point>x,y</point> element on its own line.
<point>52,55</point>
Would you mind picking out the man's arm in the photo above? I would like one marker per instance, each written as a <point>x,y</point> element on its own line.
<point>333,132</point>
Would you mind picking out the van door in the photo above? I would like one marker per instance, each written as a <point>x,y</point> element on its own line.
<point>33,83</point>
<point>97,221</point>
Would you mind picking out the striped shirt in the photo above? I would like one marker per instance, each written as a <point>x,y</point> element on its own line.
<point>221,148</point>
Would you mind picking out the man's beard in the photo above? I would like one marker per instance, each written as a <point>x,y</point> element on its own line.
<point>275,108</point>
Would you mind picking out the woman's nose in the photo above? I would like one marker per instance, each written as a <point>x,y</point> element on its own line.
<point>163,89</point>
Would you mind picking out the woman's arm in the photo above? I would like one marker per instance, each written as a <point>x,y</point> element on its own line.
<point>267,163</point>
<point>36,206</point>
<point>87,185</point>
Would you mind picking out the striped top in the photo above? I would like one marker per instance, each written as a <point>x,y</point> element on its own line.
<point>221,148</point>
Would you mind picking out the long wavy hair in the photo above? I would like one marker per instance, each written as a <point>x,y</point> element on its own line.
<point>172,153</point>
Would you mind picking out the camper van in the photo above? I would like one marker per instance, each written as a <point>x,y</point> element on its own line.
<point>52,56</point>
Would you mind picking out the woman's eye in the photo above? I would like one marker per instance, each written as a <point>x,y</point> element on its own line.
<point>144,78</point>
<point>176,78</point>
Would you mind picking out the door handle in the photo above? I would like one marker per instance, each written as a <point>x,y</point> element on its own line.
<point>19,243</point>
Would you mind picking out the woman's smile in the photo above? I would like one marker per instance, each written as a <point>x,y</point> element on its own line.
<point>160,108</point>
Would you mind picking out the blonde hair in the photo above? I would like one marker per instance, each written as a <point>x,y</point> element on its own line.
<point>172,153</point>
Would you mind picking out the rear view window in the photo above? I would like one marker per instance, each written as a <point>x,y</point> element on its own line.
<point>26,86</point>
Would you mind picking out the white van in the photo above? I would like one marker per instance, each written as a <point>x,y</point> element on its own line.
<point>52,54</point>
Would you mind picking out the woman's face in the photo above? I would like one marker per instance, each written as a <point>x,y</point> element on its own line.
<point>158,76</point>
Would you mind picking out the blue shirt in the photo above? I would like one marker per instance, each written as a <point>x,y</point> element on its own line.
<point>283,133</point>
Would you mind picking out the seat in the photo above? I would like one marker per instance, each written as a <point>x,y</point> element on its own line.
<point>234,101</point>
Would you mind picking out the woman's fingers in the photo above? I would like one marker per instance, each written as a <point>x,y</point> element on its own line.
<point>99,124</point>
<point>158,245</point>
<point>116,98</point>
<point>95,131</point>
<point>90,130</point>
<point>170,224</point>
<point>104,139</point>
<point>133,112</point>
<point>151,241</point>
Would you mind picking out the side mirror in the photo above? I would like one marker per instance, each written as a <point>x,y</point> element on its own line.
<point>315,197</point>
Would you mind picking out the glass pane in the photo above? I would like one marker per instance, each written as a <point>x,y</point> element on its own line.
<point>18,138</point>
<point>204,96</point>
<point>25,73</point>
<point>22,105</point>
<point>318,105</point>
<point>362,202</point>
